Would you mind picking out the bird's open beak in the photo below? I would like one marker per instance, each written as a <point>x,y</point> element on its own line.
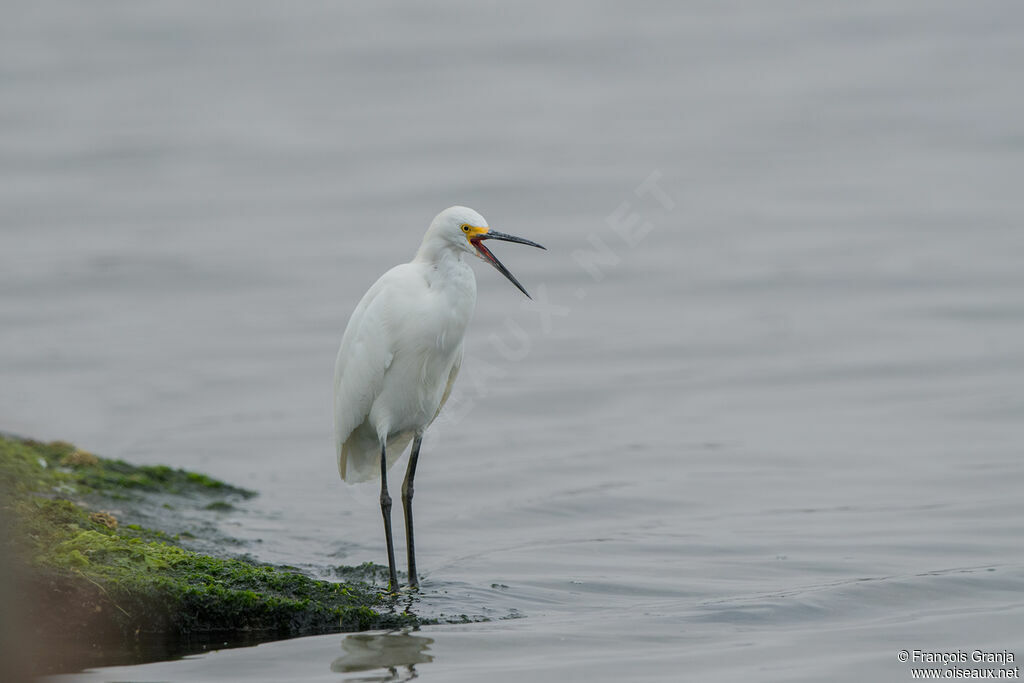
<point>486,255</point>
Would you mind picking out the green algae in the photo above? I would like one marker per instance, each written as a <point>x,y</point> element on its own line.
<point>64,464</point>
<point>96,581</point>
<point>157,586</point>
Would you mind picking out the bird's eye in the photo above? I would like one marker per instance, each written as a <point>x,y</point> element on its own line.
<point>465,228</point>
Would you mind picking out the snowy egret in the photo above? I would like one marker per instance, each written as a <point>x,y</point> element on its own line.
<point>400,355</point>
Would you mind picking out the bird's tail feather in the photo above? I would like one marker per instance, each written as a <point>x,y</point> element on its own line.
<point>359,457</point>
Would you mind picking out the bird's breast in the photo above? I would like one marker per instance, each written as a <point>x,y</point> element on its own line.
<point>440,330</point>
<point>449,304</point>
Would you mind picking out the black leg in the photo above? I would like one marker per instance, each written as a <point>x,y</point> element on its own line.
<point>407,506</point>
<point>385,508</point>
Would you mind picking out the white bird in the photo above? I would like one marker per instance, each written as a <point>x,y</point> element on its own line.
<point>400,355</point>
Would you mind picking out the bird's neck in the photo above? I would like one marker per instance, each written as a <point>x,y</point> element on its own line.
<point>434,252</point>
<point>443,268</point>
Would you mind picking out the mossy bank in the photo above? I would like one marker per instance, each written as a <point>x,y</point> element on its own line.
<point>106,588</point>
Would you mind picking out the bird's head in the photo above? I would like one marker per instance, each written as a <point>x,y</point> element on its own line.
<point>466,230</point>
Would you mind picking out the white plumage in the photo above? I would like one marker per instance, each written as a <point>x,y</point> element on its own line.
<point>398,359</point>
<point>402,351</point>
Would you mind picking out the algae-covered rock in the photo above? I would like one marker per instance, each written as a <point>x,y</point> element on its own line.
<point>98,586</point>
<point>78,458</point>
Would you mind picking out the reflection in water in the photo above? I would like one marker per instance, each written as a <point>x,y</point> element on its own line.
<point>365,652</point>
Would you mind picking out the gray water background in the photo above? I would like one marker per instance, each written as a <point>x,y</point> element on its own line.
<point>778,438</point>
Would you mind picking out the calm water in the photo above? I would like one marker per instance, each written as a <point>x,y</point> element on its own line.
<point>774,436</point>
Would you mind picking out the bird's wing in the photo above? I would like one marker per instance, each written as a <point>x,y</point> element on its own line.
<point>364,357</point>
<point>451,381</point>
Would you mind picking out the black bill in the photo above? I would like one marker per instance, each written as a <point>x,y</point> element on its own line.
<point>486,254</point>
